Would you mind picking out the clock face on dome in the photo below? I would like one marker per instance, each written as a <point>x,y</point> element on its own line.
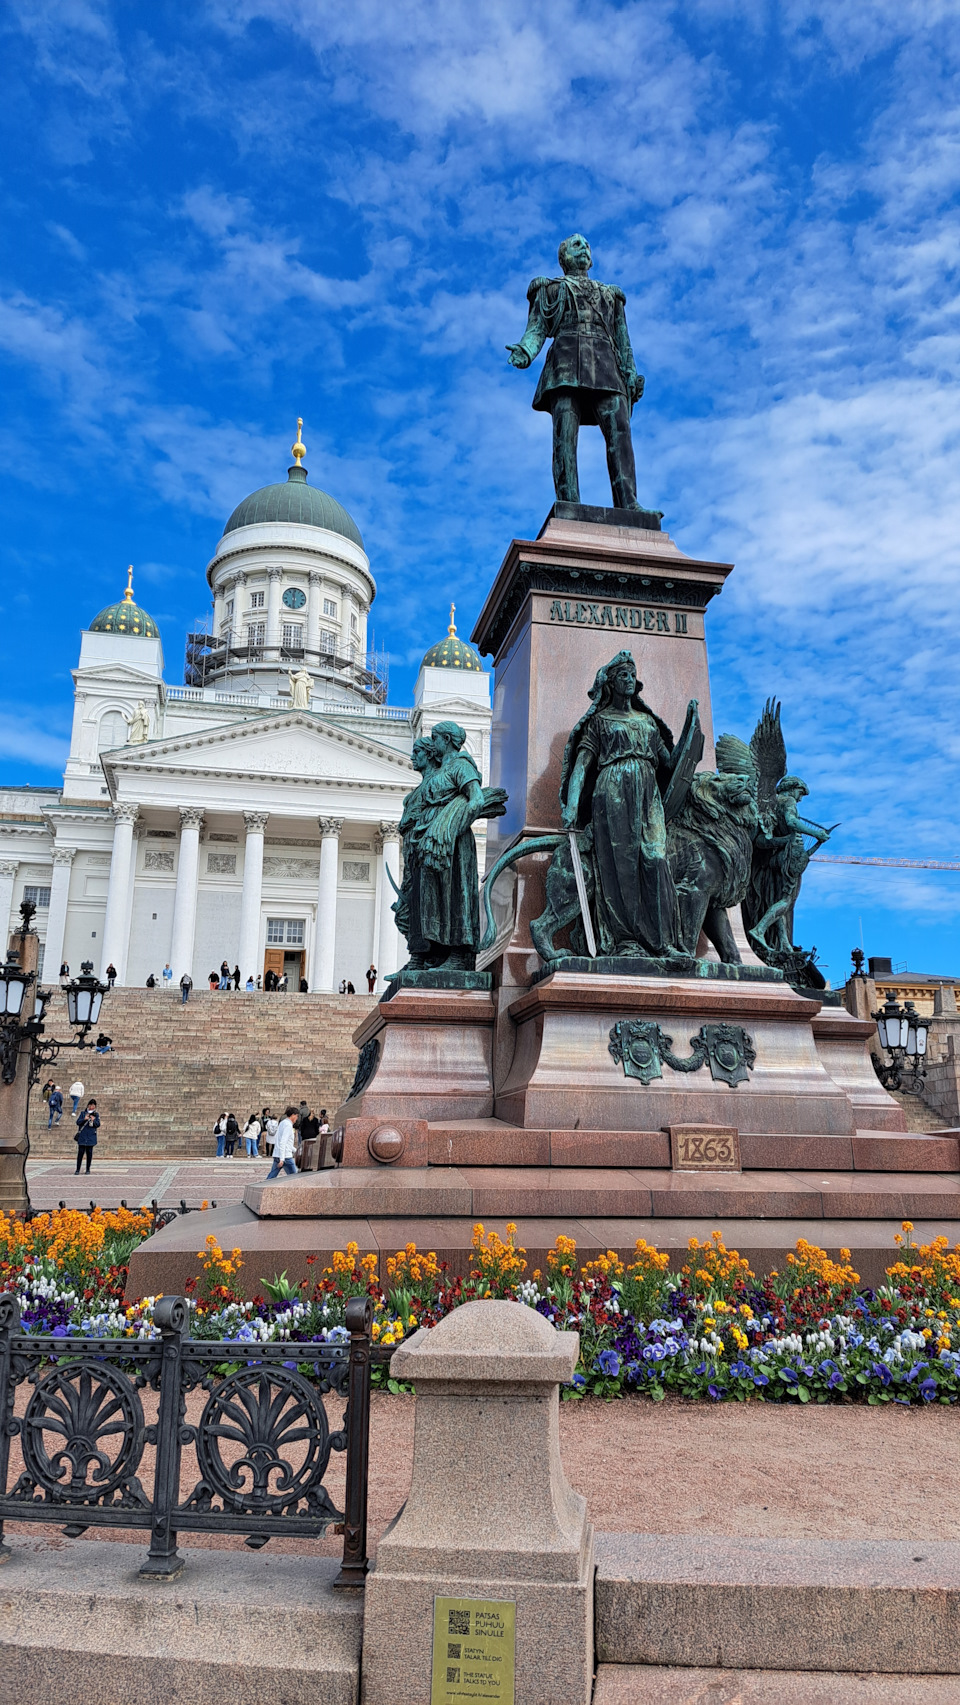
<point>294,598</point>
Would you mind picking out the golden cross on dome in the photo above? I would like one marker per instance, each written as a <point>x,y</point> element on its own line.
<point>299,449</point>
<point>452,629</point>
<point>128,595</point>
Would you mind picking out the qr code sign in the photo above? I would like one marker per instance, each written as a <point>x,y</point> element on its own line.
<point>453,1648</point>
<point>453,1673</point>
<point>458,1622</point>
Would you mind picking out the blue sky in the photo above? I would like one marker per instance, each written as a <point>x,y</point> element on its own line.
<point>219,216</point>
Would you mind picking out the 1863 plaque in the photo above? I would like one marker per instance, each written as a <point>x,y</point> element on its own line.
<point>705,1148</point>
<point>474,1644</point>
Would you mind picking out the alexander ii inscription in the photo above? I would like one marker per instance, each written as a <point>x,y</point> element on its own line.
<point>631,617</point>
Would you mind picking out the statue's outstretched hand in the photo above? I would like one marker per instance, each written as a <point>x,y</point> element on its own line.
<point>636,388</point>
<point>518,356</point>
<point>568,817</point>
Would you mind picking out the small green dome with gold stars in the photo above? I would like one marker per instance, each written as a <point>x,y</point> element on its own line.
<point>452,653</point>
<point>126,617</point>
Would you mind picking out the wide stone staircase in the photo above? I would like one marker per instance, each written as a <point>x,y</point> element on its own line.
<point>174,1069</point>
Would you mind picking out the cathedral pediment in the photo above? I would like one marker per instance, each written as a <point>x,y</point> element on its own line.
<point>294,744</point>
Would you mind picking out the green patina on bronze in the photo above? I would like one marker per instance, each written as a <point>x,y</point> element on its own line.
<point>590,376</point>
<point>438,907</point>
<point>665,852</point>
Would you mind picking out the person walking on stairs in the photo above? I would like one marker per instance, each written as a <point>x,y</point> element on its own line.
<point>88,1125</point>
<point>55,1105</point>
<point>111,975</point>
<point>75,1093</point>
<point>284,1146</point>
<point>186,984</point>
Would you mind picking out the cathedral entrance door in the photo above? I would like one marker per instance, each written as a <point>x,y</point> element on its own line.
<point>273,961</point>
<point>293,965</point>
<point>280,959</point>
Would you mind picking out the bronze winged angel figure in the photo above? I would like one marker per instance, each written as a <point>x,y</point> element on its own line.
<point>780,855</point>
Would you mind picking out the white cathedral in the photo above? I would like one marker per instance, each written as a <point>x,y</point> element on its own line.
<point>251,814</point>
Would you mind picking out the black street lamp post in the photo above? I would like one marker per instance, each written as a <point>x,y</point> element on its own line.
<point>902,1032</point>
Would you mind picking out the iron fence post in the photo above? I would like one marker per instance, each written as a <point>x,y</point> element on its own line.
<point>9,1324</point>
<point>163,1559</point>
<point>353,1568</point>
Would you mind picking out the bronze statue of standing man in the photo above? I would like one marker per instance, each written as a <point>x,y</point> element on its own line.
<point>590,377</point>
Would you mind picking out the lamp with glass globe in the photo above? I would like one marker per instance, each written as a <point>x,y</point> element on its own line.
<point>902,1033</point>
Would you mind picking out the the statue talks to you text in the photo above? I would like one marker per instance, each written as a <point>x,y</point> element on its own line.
<point>590,377</point>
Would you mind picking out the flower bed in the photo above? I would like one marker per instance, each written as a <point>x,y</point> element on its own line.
<point>713,1330</point>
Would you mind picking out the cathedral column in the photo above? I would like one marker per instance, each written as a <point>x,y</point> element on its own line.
<point>185,898</point>
<point>325,934</point>
<point>314,603</point>
<point>391,948</point>
<point>251,894</point>
<point>114,941</point>
<point>63,858</point>
<point>121,964</point>
<point>8,876</point>
<point>274,576</point>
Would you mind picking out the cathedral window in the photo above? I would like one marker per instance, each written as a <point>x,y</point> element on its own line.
<point>285,930</point>
<point>328,641</point>
<point>229,608</point>
<point>256,600</point>
<point>39,897</point>
<point>329,607</point>
<point>353,624</point>
<point>293,636</point>
<point>256,632</point>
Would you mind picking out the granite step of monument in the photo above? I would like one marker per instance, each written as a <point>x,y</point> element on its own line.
<point>846,1606</point>
<point>627,1193</point>
<point>78,1624</point>
<point>492,1142</point>
<point>275,1243</point>
<point>653,1684</point>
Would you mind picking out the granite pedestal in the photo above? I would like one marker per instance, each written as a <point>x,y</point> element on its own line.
<point>490,1513</point>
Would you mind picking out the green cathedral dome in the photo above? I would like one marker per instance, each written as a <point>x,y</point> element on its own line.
<point>126,617</point>
<point>452,653</point>
<point>297,502</point>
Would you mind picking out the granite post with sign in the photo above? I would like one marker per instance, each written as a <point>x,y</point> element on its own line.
<point>483,1585</point>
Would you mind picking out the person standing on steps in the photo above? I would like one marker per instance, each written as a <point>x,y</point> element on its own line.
<point>371,978</point>
<point>75,1093</point>
<point>251,1136</point>
<point>88,1125</point>
<point>55,1105</point>
<point>285,1145</point>
<point>231,1134</point>
<point>250,985</point>
<point>167,975</point>
<point>186,984</point>
<point>236,978</point>
<point>268,1126</point>
<point>308,1131</point>
<point>220,1132</point>
<point>111,975</point>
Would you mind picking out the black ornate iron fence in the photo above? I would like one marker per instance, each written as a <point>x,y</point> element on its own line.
<point>261,1445</point>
